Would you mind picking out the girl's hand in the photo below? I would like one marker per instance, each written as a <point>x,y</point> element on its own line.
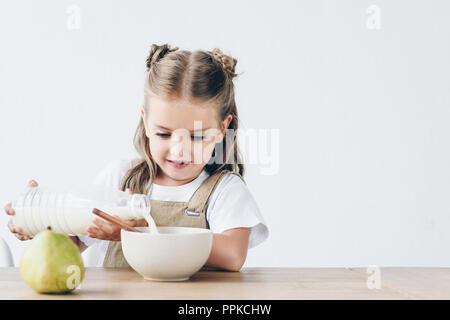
<point>105,230</point>
<point>9,211</point>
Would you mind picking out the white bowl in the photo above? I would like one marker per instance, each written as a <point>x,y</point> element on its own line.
<point>174,254</point>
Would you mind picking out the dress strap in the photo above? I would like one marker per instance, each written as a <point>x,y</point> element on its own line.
<point>199,200</point>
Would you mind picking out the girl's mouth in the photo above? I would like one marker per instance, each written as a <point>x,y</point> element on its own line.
<point>178,164</point>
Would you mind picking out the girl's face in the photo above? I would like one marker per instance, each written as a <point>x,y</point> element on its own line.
<point>181,131</point>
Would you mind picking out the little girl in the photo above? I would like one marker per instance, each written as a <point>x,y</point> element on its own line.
<point>189,161</point>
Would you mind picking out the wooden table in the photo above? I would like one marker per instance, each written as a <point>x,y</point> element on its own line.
<point>250,283</point>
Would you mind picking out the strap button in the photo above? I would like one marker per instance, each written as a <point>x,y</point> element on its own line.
<point>191,213</point>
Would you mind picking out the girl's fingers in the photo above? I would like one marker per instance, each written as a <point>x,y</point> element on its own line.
<point>103,225</point>
<point>18,232</point>
<point>9,210</point>
<point>21,237</point>
<point>11,227</point>
<point>97,233</point>
<point>140,223</point>
<point>94,232</point>
<point>32,183</point>
<point>106,227</point>
<point>131,222</point>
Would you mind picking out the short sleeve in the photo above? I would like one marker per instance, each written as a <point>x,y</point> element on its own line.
<point>112,174</point>
<point>232,206</point>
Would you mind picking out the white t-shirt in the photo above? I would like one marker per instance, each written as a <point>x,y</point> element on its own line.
<point>231,204</point>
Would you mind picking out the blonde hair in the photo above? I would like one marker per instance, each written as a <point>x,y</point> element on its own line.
<point>204,76</point>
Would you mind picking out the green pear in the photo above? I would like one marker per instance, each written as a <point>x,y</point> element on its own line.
<point>52,263</point>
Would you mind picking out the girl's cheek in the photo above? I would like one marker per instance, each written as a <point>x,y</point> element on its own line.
<point>199,152</point>
<point>156,150</point>
<point>156,144</point>
<point>208,149</point>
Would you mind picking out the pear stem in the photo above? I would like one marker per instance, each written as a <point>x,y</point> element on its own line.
<point>49,228</point>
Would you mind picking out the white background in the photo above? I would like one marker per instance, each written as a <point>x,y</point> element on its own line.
<point>363,114</point>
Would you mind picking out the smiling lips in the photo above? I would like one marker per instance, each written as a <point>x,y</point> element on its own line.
<point>179,164</point>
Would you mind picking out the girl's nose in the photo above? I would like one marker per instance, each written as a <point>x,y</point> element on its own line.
<point>176,150</point>
<point>179,146</point>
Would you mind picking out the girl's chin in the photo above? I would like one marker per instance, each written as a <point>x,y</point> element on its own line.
<point>178,178</point>
<point>185,173</point>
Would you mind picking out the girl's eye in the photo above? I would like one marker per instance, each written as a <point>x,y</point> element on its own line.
<point>195,138</point>
<point>198,138</point>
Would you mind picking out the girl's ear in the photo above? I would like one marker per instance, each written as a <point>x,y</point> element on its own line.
<point>226,123</point>
<point>224,126</point>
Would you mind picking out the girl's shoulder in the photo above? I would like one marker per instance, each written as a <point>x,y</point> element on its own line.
<point>220,182</point>
<point>230,185</point>
<point>225,176</point>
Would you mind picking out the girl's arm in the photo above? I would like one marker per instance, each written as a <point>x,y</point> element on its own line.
<point>229,249</point>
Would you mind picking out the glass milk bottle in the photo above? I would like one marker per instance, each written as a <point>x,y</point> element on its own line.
<point>71,212</point>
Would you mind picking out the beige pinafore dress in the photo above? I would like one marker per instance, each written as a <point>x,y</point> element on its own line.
<point>175,214</point>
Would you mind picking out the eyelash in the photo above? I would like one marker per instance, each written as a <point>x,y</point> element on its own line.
<point>195,138</point>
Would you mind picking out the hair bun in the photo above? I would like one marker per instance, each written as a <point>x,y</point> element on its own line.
<point>228,63</point>
<point>157,53</point>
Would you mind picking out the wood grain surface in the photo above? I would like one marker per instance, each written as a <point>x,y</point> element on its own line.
<point>249,283</point>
